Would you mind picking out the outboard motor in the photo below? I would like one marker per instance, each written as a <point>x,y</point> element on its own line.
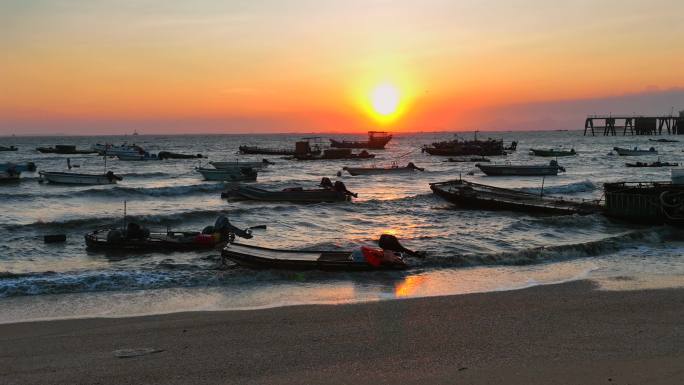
<point>390,242</point>
<point>326,182</point>
<point>111,176</point>
<point>223,225</point>
<point>340,187</point>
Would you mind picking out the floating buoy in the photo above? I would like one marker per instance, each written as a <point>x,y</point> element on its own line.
<point>54,238</point>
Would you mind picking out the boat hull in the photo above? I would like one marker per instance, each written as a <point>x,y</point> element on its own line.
<point>162,242</point>
<point>301,196</point>
<point>645,202</point>
<point>263,258</point>
<point>356,171</point>
<point>76,179</point>
<point>628,152</point>
<point>477,196</point>
<point>552,153</point>
<point>265,151</point>
<point>503,170</point>
<point>238,165</point>
<point>229,175</point>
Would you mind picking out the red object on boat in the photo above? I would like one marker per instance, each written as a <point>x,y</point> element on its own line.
<point>373,256</point>
<point>204,239</point>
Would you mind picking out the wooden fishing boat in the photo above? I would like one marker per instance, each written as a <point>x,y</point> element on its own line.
<point>230,175</point>
<point>64,149</point>
<point>9,176</point>
<point>652,164</point>
<point>645,202</point>
<point>238,164</point>
<point>10,148</point>
<point>173,155</point>
<point>553,152</point>
<point>634,152</point>
<point>137,238</point>
<point>521,170</point>
<point>664,140</point>
<point>393,169</point>
<point>299,195</point>
<point>376,140</point>
<point>478,196</point>
<point>81,179</point>
<point>256,150</point>
<point>465,159</point>
<point>336,153</point>
<point>20,167</point>
<point>460,147</point>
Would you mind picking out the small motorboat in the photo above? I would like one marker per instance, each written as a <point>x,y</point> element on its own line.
<point>64,149</point>
<point>80,179</point>
<point>664,140</point>
<point>521,170</point>
<point>393,169</point>
<point>20,167</point>
<point>552,152</point>
<point>9,176</point>
<point>10,148</point>
<point>245,174</point>
<point>173,155</point>
<point>635,152</point>
<point>359,260</point>
<point>376,141</point>
<point>137,238</point>
<point>466,159</point>
<point>333,193</point>
<point>237,164</point>
<point>652,164</point>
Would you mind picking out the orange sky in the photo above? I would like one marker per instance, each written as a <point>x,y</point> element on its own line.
<point>275,66</point>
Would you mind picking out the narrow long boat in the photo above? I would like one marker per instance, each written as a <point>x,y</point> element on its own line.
<point>478,196</point>
<point>287,195</point>
<point>394,169</point>
<point>521,170</point>
<point>634,152</point>
<point>230,175</point>
<point>652,164</point>
<point>549,153</point>
<point>376,141</point>
<point>79,179</point>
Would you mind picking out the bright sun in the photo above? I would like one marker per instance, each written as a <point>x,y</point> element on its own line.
<point>385,99</point>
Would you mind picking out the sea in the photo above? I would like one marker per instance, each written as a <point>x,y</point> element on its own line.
<point>467,250</point>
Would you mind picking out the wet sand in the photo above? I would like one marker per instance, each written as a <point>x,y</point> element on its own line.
<point>561,334</point>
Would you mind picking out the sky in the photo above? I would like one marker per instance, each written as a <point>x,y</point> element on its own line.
<point>210,66</point>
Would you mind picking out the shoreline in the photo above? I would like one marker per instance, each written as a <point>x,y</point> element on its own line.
<point>568,332</point>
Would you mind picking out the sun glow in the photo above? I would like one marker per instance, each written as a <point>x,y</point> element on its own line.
<point>385,99</point>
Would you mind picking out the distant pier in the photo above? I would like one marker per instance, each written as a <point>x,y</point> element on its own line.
<point>610,125</point>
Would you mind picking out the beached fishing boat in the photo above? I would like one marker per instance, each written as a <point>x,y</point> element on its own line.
<point>336,153</point>
<point>521,170</point>
<point>20,167</point>
<point>646,202</point>
<point>10,148</point>
<point>634,152</point>
<point>652,164</point>
<point>64,149</point>
<point>363,259</point>
<point>238,164</point>
<point>376,140</point>
<point>298,195</point>
<point>244,174</point>
<point>478,196</point>
<point>393,169</point>
<point>553,152</point>
<point>137,238</point>
<point>80,179</point>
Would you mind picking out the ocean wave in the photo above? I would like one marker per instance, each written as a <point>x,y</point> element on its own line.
<point>565,189</point>
<point>119,191</point>
<point>551,253</point>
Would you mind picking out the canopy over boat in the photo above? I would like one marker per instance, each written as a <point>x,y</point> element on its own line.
<point>478,196</point>
<point>521,170</point>
<point>394,169</point>
<point>634,152</point>
<point>83,179</point>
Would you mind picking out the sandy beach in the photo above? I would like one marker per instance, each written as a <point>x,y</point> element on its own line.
<point>561,334</point>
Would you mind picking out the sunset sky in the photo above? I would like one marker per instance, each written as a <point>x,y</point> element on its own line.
<point>84,66</point>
